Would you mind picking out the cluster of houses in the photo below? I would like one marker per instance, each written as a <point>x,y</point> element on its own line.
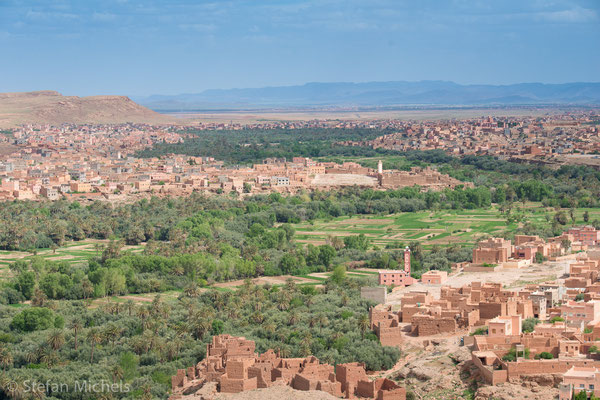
<point>234,365</point>
<point>563,316</point>
<point>496,253</point>
<point>52,175</point>
<point>506,137</point>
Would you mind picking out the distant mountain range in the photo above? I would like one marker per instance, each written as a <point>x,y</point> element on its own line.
<point>378,94</point>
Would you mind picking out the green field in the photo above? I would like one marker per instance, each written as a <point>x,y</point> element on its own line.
<point>445,227</point>
<point>73,252</point>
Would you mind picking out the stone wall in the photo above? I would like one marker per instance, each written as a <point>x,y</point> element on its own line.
<point>426,325</point>
<point>531,367</point>
<point>377,294</point>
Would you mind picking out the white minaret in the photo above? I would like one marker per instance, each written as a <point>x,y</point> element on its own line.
<point>380,167</point>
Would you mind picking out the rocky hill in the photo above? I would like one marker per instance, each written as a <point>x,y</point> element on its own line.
<point>49,107</point>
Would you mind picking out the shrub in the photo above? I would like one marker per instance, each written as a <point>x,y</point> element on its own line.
<point>480,331</point>
<point>529,324</point>
<point>544,355</point>
<point>512,354</point>
<point>33,319</point>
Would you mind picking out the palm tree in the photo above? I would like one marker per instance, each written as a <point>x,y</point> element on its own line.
<point>39,298</point>
<point>282,351</point>
<point>219,301</point>
<point>233,312</point>
<point>323,321</point>
<point>6,358</point>
<point>87,288</point>
<point>283,303</point>
<point>11,387</point>
<point>363,324</point>
<point>345,299</point>
<point>94,337</point>
<point>139,345</point>
<point>305,344</point>
<point>270,328</point>
<point>49,357</point>
<point>309,301</point>
<point>143,313</point>
<point>192,290</point>
<point>290,285</point>
<point>76,326</point>
<point>181,329</point>
<point>56,339</point>
<point>112,333</point>
<point>147,392</point>
<point>189,305</point>
<point>129,304</point>
<point>177,342</point>
<point>293,317</point>
<point>206,312</point>
<point>117,373</point>
<point>155,305</point>
<point>336,335</point>
<point>31,356</point>
<point>258,318</point>
<point>200,327</point>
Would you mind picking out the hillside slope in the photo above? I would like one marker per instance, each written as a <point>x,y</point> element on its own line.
<point>49,107</point>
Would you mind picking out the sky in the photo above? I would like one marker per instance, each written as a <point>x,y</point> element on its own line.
<point>139,48</point>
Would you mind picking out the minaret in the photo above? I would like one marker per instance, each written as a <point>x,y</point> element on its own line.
<point>380,167</point>
<point>407,260</point>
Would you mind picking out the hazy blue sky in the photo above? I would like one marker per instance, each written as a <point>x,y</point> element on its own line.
<point>136,47</point>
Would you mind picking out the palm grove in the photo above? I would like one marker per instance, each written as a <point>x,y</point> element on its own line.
<point>72,330</point>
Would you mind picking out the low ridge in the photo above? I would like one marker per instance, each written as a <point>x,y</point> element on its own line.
<point>50,107</point>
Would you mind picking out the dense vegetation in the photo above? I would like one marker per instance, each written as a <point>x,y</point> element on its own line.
<point>142,345</point>
<point>33,225</point>
<point>72,331</point>
<point>254,145</point>
<point>567,186</point>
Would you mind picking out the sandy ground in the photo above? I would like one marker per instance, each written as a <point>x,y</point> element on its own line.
<point>245,117</point>
<point>510,278</point>
<point>272,280</point>
<point>343,179</point>
<point>277,393</point>
<point>438,367</point>
<point>208,391</point>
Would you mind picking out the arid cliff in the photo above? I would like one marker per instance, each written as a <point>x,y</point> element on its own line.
<point>49,107</point>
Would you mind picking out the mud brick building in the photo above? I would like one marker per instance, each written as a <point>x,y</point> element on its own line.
<point>587,235</point>
<point>492,251</point>
<point>434,277</point>
<point>233,364</point>
<point>399,278</point>
<point>425,177</point>
<point>578,379</point>
<point>581,314</point>
<point>457,309</point>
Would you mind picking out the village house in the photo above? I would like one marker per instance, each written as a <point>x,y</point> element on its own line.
<point>234,365</point>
